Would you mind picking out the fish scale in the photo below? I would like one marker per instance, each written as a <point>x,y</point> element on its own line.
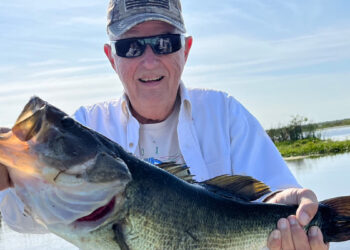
<point>163,217</point>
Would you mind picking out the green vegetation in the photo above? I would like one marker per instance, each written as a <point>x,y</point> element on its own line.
<point>300,138</point>
<point>336,123</point>
<point>312,147</point>
<point>297,129</point>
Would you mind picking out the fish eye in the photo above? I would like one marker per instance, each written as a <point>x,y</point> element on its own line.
<point>67,122</point>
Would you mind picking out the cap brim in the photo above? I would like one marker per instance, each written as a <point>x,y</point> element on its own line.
<point>118,28</point>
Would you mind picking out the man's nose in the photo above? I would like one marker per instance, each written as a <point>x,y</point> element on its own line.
<point>149,58</point>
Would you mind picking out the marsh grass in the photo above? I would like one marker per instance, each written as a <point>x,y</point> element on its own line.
<point>312,147</point>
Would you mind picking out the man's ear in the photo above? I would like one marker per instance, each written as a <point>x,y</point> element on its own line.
<point>108,51</point>
<point>188,45</point>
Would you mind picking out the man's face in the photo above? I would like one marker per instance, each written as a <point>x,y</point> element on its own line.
<point>150,80</point>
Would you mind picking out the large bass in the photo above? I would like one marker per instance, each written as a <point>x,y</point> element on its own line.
<point>88,190</point>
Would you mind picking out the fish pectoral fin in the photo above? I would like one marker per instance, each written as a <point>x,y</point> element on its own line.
<point>236,186</point>
<point>119,237</point>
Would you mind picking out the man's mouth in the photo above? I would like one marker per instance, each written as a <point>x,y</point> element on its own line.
<point>153,79</point>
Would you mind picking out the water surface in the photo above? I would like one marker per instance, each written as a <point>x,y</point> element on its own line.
<point>327,176</point>
<point>336,133</point>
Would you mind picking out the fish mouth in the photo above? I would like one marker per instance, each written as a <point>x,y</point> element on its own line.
<point>96,218</point>
<point>99,213</point>
<point>30,120</point>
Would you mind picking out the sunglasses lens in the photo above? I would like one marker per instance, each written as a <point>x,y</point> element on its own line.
<point>166,44</point>
<point>161,45</point>
<point>129,48</point>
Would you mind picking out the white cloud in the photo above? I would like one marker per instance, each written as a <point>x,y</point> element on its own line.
<point>50,62</point>
<point>273,99</point>
<point>66,70</point>
<point>56,83</point>
<point>247,55</point>
<point>42,5</point>
<point>202,19</point>
<point>6,69</point>
<point>85,20</point>
<point>92,60</point>
<point>68,93</point>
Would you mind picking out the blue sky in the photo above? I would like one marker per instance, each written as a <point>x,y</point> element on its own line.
<point>279,58</point>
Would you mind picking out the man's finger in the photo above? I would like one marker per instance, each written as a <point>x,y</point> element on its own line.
<point>308,206</point>
<point>299,236</point>
<point>286,235</point>
<point>316,239</point>
<point>274,241</point>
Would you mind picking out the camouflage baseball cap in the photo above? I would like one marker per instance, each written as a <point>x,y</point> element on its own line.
<point>122,15</point>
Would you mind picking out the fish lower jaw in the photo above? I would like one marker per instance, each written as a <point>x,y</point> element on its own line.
<point>97,217</point>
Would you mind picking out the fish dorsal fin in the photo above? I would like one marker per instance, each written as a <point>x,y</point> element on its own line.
<point>236,186</point>
<point>179,170</point>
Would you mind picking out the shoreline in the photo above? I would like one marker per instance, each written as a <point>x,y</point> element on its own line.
<point>311,148</point>
<point>300,157</point>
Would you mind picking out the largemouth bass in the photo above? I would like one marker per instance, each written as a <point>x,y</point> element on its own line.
<point>88,190</point>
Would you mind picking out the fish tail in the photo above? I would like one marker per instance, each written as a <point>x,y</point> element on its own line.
<point>335,223</point>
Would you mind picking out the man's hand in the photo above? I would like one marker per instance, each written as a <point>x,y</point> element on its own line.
<point>5,181</point>
<point>289,233</point>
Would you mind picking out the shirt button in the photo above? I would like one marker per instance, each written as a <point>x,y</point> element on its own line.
<point>131,144</point>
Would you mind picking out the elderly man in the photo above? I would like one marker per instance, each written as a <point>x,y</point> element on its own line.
<point>159,119</point>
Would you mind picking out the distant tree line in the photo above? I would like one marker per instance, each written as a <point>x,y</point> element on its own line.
<point>297,129</point>
<point>344,122</point>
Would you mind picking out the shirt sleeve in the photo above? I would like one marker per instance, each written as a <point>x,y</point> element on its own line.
<point>253,153</point>
<point>80,115</point>
<point>12,212</point>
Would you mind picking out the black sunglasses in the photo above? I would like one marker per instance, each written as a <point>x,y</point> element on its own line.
<point>160,44</point>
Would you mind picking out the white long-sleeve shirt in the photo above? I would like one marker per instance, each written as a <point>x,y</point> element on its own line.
<point>216,136</point>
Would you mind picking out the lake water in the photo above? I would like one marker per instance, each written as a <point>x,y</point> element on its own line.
<point>336,133</point>
<point>327,176</point>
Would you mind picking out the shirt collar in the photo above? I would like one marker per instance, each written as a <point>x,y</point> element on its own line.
<point>185,102</point>
<point>125,105</point>
<point>186,105</point>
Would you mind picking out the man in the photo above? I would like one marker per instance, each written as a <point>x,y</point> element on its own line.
<point>159,119</point>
